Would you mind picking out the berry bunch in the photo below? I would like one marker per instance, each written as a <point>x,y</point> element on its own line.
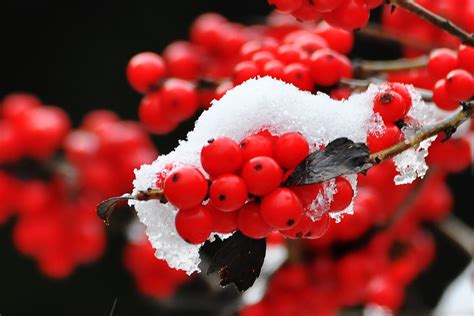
<point>408,25</point>
<point>189,75</point>
<point>345,14</point>
<point>324,279</point>
<point>454,72</point>
<point>246,190</point>
<point>52,177</point>
<point>152,277</point>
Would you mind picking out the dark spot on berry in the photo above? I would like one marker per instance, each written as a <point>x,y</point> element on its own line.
<point>298,75</point>
<point>210,141</point>
<point>290,222</point>
<point>299,235</point>
<point>258,166</point>
<point>175,177</point>
<point>242,144</point>
<point>175,103</point>
<point>311,2</point>
<point>308,234</point>
<point>221,197</point>
<point>386,98</point>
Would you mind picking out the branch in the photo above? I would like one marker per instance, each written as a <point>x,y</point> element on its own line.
<point>368,66</point>
<point>461,234</point>
<point>447,126</point>
<point>436,20</point>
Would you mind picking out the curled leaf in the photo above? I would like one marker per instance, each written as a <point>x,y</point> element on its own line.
<point>239,261</point>
<point>340,157</point>
<point>107,207</point>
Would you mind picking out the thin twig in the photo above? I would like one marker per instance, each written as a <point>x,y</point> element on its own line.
<point>436,20</point>
<point>461,234</point>
<point>447,126</point>
<point>370,66</point>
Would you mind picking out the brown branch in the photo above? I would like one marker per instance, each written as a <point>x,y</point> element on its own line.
<point>447,126</point>
<point>436,20</point>
<point>461,234</point>
<point>370,66</point>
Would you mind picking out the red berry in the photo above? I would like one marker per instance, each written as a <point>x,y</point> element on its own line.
<point>179,99</point>
<point>338,39</point>
<point>328,67</point>
<point>306,12</point>
<point>262,175</point>
<point>298,75</point>
<point>251,222</point>
<point>223,222</point>
<point>319,227</point>
<point>228,193</point>
<point>390,105</point>
<point>194,224</point>
<point>402,90</point>
<point>151,114</point>
<point>327,5</point>
<point>256,145</point>
<point>299,230</point>
<point>351,15</point>
<point>282,209</point>
<point>308,193</point>
<point>384,292</point>
<point>144,71</point>
<point>441,62</point>
<point>344,195</point>
<point>182,60</point>
<point>244,71</point>
<point>459,85</point>
<point>274,69</point>
<point>291,149</point>
<point>442,98</point>
<point>221,155</point>
<point>390,137</point>
<point>466,58</point>
<point>14,105</point>
<point>185,187</point>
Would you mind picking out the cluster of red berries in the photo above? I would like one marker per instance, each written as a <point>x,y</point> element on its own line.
<point>52,177</point>
<point>29,129</point>
<point>454,72</point>
<point>405,24</point>
<point>392,103</point>
<point>246,192</point>
<point>323,280</point>
<point>346,14</point>
<point>189,75</point>
<point>153,277</point>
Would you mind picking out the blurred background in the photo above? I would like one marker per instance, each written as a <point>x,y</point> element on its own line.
<point>73,55</point>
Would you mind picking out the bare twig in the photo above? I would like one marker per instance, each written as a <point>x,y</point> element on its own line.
<point>436,20</point>
<point>461,234</point>
<point>447,126</point>
<point>370,66</point>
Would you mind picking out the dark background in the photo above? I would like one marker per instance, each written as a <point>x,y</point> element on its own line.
<point>73,54</point>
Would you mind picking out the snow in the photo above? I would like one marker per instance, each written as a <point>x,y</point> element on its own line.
<point>257,104</point>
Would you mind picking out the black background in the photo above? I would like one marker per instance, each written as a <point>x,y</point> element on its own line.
<point>73,54</point>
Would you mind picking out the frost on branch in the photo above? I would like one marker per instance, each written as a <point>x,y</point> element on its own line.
<point>255,105</point>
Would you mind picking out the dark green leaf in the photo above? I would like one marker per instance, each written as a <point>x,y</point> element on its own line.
<point>106,208</point>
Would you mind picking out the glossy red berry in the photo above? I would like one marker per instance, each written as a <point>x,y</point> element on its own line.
<point>390,137</point>
<point>466,58</point>
<point>291,149</point>
<point>220,156</point>
<point>256,145</point>
<point>328,67</point>
<point>459,85</point>
<point>351,15</point>
<point>343,196</point>
<point>319,227</point>
<point>282,209</point>
<point>308,193</point>
<point>223,222</point>
<point>390,105</point>
<point>185,187</point>
<point>152,114</point>
<point>262,175</point>
<point>179,99</point>
<point>327,5</point>
<point>228,192</point>
<point>299,230</point>
<point>245,70</point>
<point>441,62</point>
<point>194,224</point>
<point>442,98</point>
<point>145,70</point>
<point>182,60</point>
<point>402,90</point>
<point>251,222</point>
<point>298,74</point>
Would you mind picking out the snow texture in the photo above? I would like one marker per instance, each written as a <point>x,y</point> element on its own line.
<point>257,104</point>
